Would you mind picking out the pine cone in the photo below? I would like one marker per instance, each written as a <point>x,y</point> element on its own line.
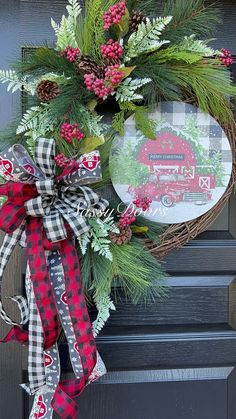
<point>135,19</point>
<point>47,90</point>
<point>86,65</point>
<point>100,73</point>
<point>123,237</point>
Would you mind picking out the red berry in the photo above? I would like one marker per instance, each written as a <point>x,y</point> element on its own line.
<point>114,14</point>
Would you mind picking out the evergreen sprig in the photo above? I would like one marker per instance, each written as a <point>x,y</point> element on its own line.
<point>190,17</point>
<point>138,273</point>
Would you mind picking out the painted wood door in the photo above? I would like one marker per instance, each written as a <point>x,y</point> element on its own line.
<point>168,360</point>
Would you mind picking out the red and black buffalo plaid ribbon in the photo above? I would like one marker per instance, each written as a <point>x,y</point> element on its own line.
<point>46,209</point>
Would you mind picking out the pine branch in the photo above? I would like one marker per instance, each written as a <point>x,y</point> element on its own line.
<point>190,17</point>
<point>139,273</point>
<point>175,53</point>
<point>44,60</point>
<point>208,82</point>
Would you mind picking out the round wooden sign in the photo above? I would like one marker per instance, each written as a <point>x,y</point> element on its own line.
<point>184,171</point>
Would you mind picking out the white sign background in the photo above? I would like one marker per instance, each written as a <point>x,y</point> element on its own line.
<point>185,171</point>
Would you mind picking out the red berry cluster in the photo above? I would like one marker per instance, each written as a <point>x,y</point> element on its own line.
<point>70,131</point>
<point>143,203</point>
<point>226,57</point>
<point>112,50</point>
<point>97,85</point>
<point>114,15</point>
<point>114,75</point>
<point>70,53</point>
<point>104,87</point>
<point>127,217</point>
<point>62,161</point>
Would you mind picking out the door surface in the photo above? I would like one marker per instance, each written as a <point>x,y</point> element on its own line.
<point>173,359</point>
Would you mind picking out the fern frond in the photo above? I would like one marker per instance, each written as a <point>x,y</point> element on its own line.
<point>67,29</point>
<point>74,10</point>
<point>126,91</point>
<point>190,43</point>
<point>103,304</point>
<point>37,120</point>
<point>10,77</point>
<point>147,37</point>
<point>30,143</point>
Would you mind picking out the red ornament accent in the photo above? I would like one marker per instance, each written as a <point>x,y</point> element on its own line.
<point>64,298</point>
<point>41,408</point>
<point>63,161</point>
<point>47,360</point>
<point>97,85</point>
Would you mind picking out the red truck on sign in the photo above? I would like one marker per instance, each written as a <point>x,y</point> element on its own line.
<point>174,173</point>
<point>173,187</point>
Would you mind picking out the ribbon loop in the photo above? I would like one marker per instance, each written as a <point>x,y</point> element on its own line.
<point>54,226</point>
<point>44,156</point>
<point>46,187</point>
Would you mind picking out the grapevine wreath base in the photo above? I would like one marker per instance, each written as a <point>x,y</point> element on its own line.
<point>177,235</point>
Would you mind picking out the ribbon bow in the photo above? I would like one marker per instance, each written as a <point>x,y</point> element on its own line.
<point>46,211</point>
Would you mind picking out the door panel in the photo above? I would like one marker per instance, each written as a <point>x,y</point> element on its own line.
<point>170,359</point>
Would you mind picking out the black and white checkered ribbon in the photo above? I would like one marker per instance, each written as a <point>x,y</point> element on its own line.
<point>60,200</point>
<point>44,366</point>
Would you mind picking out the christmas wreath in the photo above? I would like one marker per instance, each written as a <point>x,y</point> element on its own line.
<point>111,56</point>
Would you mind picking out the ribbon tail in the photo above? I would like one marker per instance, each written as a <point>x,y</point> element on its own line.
<point>43,399</point>
<point>58,284</point>
<point>63,401</point>
<point>41,283</point>
<point>23,308</point>
<point>9,243</point>
<point>36,369</point>
<point>16,334</point>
